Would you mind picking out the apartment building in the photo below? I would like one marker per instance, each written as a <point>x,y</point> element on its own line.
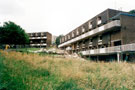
<point>40,39</point>
<point>109,35</point>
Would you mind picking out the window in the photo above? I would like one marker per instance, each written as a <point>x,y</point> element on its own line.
<point>77,46</point>
<point>77,32</point>
<point>68,36</point>
<point>99,20</point>
<point>83,44</point>
<point>42,41</point>
<point>100,38</point>
<point>36,34</point>
<point>60,40</point>
<point>117,43</point>
<point>90,25</point>
<point>72,34</point>
<point>90,41</point>
<point>83,29</point>
<point>42,34</point>
<point>65,38</point>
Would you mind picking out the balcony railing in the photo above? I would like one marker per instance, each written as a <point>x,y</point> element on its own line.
<point>105,27</point>
<point>109,50</point>
<point>38,37</point>
<point>44,44</point>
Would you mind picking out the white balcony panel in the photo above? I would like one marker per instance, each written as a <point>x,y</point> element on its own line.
<point>85,52</point>
<point>90,26</point>
<point>99,22</point>
<point>91,51</point>
<point>102,50</point>
<point>101,28</point>
<point>109,50</point>
<point>130,47</point>
<point>38,44</point>
<point>83,36</point>
<point>44,44</point>
<point>33,45</point>
<point>92,32</point>
<point>38,37</point>
<point>96,30</point>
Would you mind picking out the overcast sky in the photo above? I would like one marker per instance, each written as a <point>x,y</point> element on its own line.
<point>56,16</point>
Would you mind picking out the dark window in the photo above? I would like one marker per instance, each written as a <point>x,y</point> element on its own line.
<point>99,18</point>
<point>117,43</point>
<point>100,37</point>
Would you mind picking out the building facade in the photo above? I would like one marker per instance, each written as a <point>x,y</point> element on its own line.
<point>109,35</point>
<point>40,39</point>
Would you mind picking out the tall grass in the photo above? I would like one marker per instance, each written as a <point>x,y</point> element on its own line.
<point>35,72</point>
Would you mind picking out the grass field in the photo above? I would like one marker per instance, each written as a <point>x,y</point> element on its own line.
<point>22,71</point>
<point>25,49</point>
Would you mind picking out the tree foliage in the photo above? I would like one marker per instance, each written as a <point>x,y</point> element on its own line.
<point>58,40</point>
<point>10,33</point>
<point>132,12</point>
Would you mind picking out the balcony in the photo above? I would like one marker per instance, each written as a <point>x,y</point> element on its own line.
<point>99,42</point>
<point>83,46</point>
<point>78,47</point>
<point>38,37</point>
<point>110,50</point>
<point>44,44</point>
<point>90,44</point>
<point>106,27</point>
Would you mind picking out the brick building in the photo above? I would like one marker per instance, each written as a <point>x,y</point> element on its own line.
<point>109,35</point>
<point>40,39</point>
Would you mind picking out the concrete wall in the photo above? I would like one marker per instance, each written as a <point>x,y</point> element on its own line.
<point>128,29</point>
<point>106,38</point>
<point>49,39</point>
<point>115,35</point>
<point>105,16</point>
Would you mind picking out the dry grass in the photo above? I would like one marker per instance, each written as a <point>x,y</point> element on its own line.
<point>88,75</point>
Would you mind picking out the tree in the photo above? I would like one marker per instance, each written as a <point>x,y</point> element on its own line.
<point>58,40</point>
<point>132,12</point>
<point>10,33</point>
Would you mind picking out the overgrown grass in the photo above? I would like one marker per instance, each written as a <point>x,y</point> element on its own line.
<point>18,74</point>
<point>22,71</point>
<point>25,49</point>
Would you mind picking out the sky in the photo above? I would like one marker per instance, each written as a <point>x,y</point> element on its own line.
<point>56,16</point>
